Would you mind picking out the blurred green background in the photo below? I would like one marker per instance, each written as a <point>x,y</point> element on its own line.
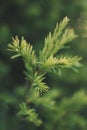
<point>33,19</point>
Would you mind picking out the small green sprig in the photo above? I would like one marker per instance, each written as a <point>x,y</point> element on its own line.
<point>28,113</point>
<point>56,41</point>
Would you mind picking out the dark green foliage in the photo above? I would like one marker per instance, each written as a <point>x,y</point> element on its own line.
<point>33,20</point>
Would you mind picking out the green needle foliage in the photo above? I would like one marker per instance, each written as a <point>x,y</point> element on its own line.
<point>28,113</point>
<point>36,67</point>
<point>56,41</point>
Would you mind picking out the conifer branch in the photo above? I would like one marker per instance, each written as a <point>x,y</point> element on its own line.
<point>24,49</point>
<point>54,63</point>
<point>28,113</point>
<point>56,41</point>
<point>39,84</point>
<point>38,66</point>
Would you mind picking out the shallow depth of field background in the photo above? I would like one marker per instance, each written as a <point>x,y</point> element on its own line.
<point>33,19</point>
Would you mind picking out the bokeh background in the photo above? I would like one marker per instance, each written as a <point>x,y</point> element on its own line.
<point>33,19</point>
